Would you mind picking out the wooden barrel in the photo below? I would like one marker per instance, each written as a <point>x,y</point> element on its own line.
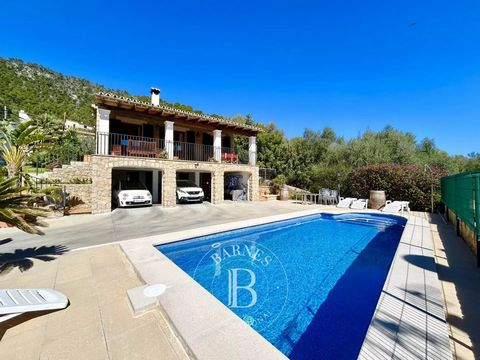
<point>377,199</point>
<point>284,194</point>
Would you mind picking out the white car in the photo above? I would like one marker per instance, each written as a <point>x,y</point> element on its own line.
<point>127,193</point>
<point>188,191</point>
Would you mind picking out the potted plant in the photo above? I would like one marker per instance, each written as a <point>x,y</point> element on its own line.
<point>279,186</point>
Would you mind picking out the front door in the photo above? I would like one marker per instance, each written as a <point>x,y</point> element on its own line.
<point>206,185</point>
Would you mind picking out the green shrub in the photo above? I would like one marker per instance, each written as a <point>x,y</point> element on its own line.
<point>279,182</point>
<point>400,182</point>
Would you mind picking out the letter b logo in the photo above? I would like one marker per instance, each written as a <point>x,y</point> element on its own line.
<point>234,287</point>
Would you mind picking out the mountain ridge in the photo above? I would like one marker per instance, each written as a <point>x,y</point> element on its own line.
<point>40,90</point>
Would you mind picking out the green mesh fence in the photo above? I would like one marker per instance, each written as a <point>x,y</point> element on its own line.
<point>461,194</point>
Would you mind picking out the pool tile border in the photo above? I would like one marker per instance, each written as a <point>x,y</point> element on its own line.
<point>207,329</point>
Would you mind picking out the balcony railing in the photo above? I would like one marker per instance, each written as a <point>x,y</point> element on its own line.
<point>139,146</point>
<point>129,145</point>
<point>191,151</point>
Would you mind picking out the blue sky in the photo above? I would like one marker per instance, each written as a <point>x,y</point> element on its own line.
<point>350,65</point>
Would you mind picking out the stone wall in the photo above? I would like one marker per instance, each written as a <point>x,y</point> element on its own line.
<point>76,170</point>
<point>79,194</point>
<point>464,231</point>
<point>102,166</point>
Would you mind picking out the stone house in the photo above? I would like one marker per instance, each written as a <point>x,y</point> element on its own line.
<point>157,144</point>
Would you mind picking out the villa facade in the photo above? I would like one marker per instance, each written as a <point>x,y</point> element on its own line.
<point>157,145</point>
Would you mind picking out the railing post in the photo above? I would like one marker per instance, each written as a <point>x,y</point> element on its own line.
<point>169,139</point>
<point>103,129</point>
<point>102,143</point>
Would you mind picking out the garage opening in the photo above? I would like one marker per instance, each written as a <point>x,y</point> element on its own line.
<point>236,186</point>
<point>201,179</point>
<point>151,179</point>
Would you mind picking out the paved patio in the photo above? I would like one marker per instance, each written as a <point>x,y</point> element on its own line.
<point>98,323</point>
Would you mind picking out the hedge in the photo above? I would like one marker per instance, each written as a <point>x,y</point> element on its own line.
<point>400,182</point>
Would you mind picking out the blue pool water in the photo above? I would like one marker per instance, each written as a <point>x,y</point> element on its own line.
<point>308,285</point>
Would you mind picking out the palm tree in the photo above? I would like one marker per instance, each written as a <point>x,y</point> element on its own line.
<point>19,141</point>
<point>24,134</point>
<point>14,157</point>
<point>17,206</point>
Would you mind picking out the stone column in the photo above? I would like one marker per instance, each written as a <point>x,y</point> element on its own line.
<point>169,138</point>
<point>197,178</point>
<point>169,188</point>
<point>254,185</point>
<point>252,150</point>
<point>217,145</point>
<point>103,131</point>
<point>101,184</point>
<point>217,186</point>
<point>155,186</point>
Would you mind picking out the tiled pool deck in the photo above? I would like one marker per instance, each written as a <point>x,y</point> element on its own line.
<point>409,322</point>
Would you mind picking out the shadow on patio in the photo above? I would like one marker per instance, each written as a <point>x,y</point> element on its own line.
<point>23,258</point>
<point>456,267</point>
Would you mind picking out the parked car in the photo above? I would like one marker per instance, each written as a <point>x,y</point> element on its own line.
<point>130,193</point>
<point>188,191</point>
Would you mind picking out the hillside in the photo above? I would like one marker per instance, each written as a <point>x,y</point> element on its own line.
<point>39,90</point>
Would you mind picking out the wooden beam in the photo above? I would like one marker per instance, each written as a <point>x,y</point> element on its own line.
<point>159,116</point>
<point>153,110</point>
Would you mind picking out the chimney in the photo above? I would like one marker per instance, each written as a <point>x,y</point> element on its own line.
<point>155,96</point>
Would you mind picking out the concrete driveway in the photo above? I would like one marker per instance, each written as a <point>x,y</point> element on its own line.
<point>78,231</point>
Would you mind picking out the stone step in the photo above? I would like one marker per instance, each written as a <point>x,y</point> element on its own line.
<point>77,163</point>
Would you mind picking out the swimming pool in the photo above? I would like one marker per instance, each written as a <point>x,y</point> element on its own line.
<point>308,285</point>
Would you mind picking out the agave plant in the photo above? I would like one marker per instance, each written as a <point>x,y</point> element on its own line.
<point>17,206</point>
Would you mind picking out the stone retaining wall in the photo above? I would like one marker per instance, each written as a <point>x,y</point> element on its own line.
<point>81,193</point>
<point>464,231</point>
<point>76,170</point>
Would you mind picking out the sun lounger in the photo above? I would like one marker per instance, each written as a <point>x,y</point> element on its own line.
<point>359,204</point>
<point>396,206</point>
<point>14,302</point>
<point>345,202</point>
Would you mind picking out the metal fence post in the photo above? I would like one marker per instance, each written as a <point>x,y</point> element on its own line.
<point>64,199</point>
